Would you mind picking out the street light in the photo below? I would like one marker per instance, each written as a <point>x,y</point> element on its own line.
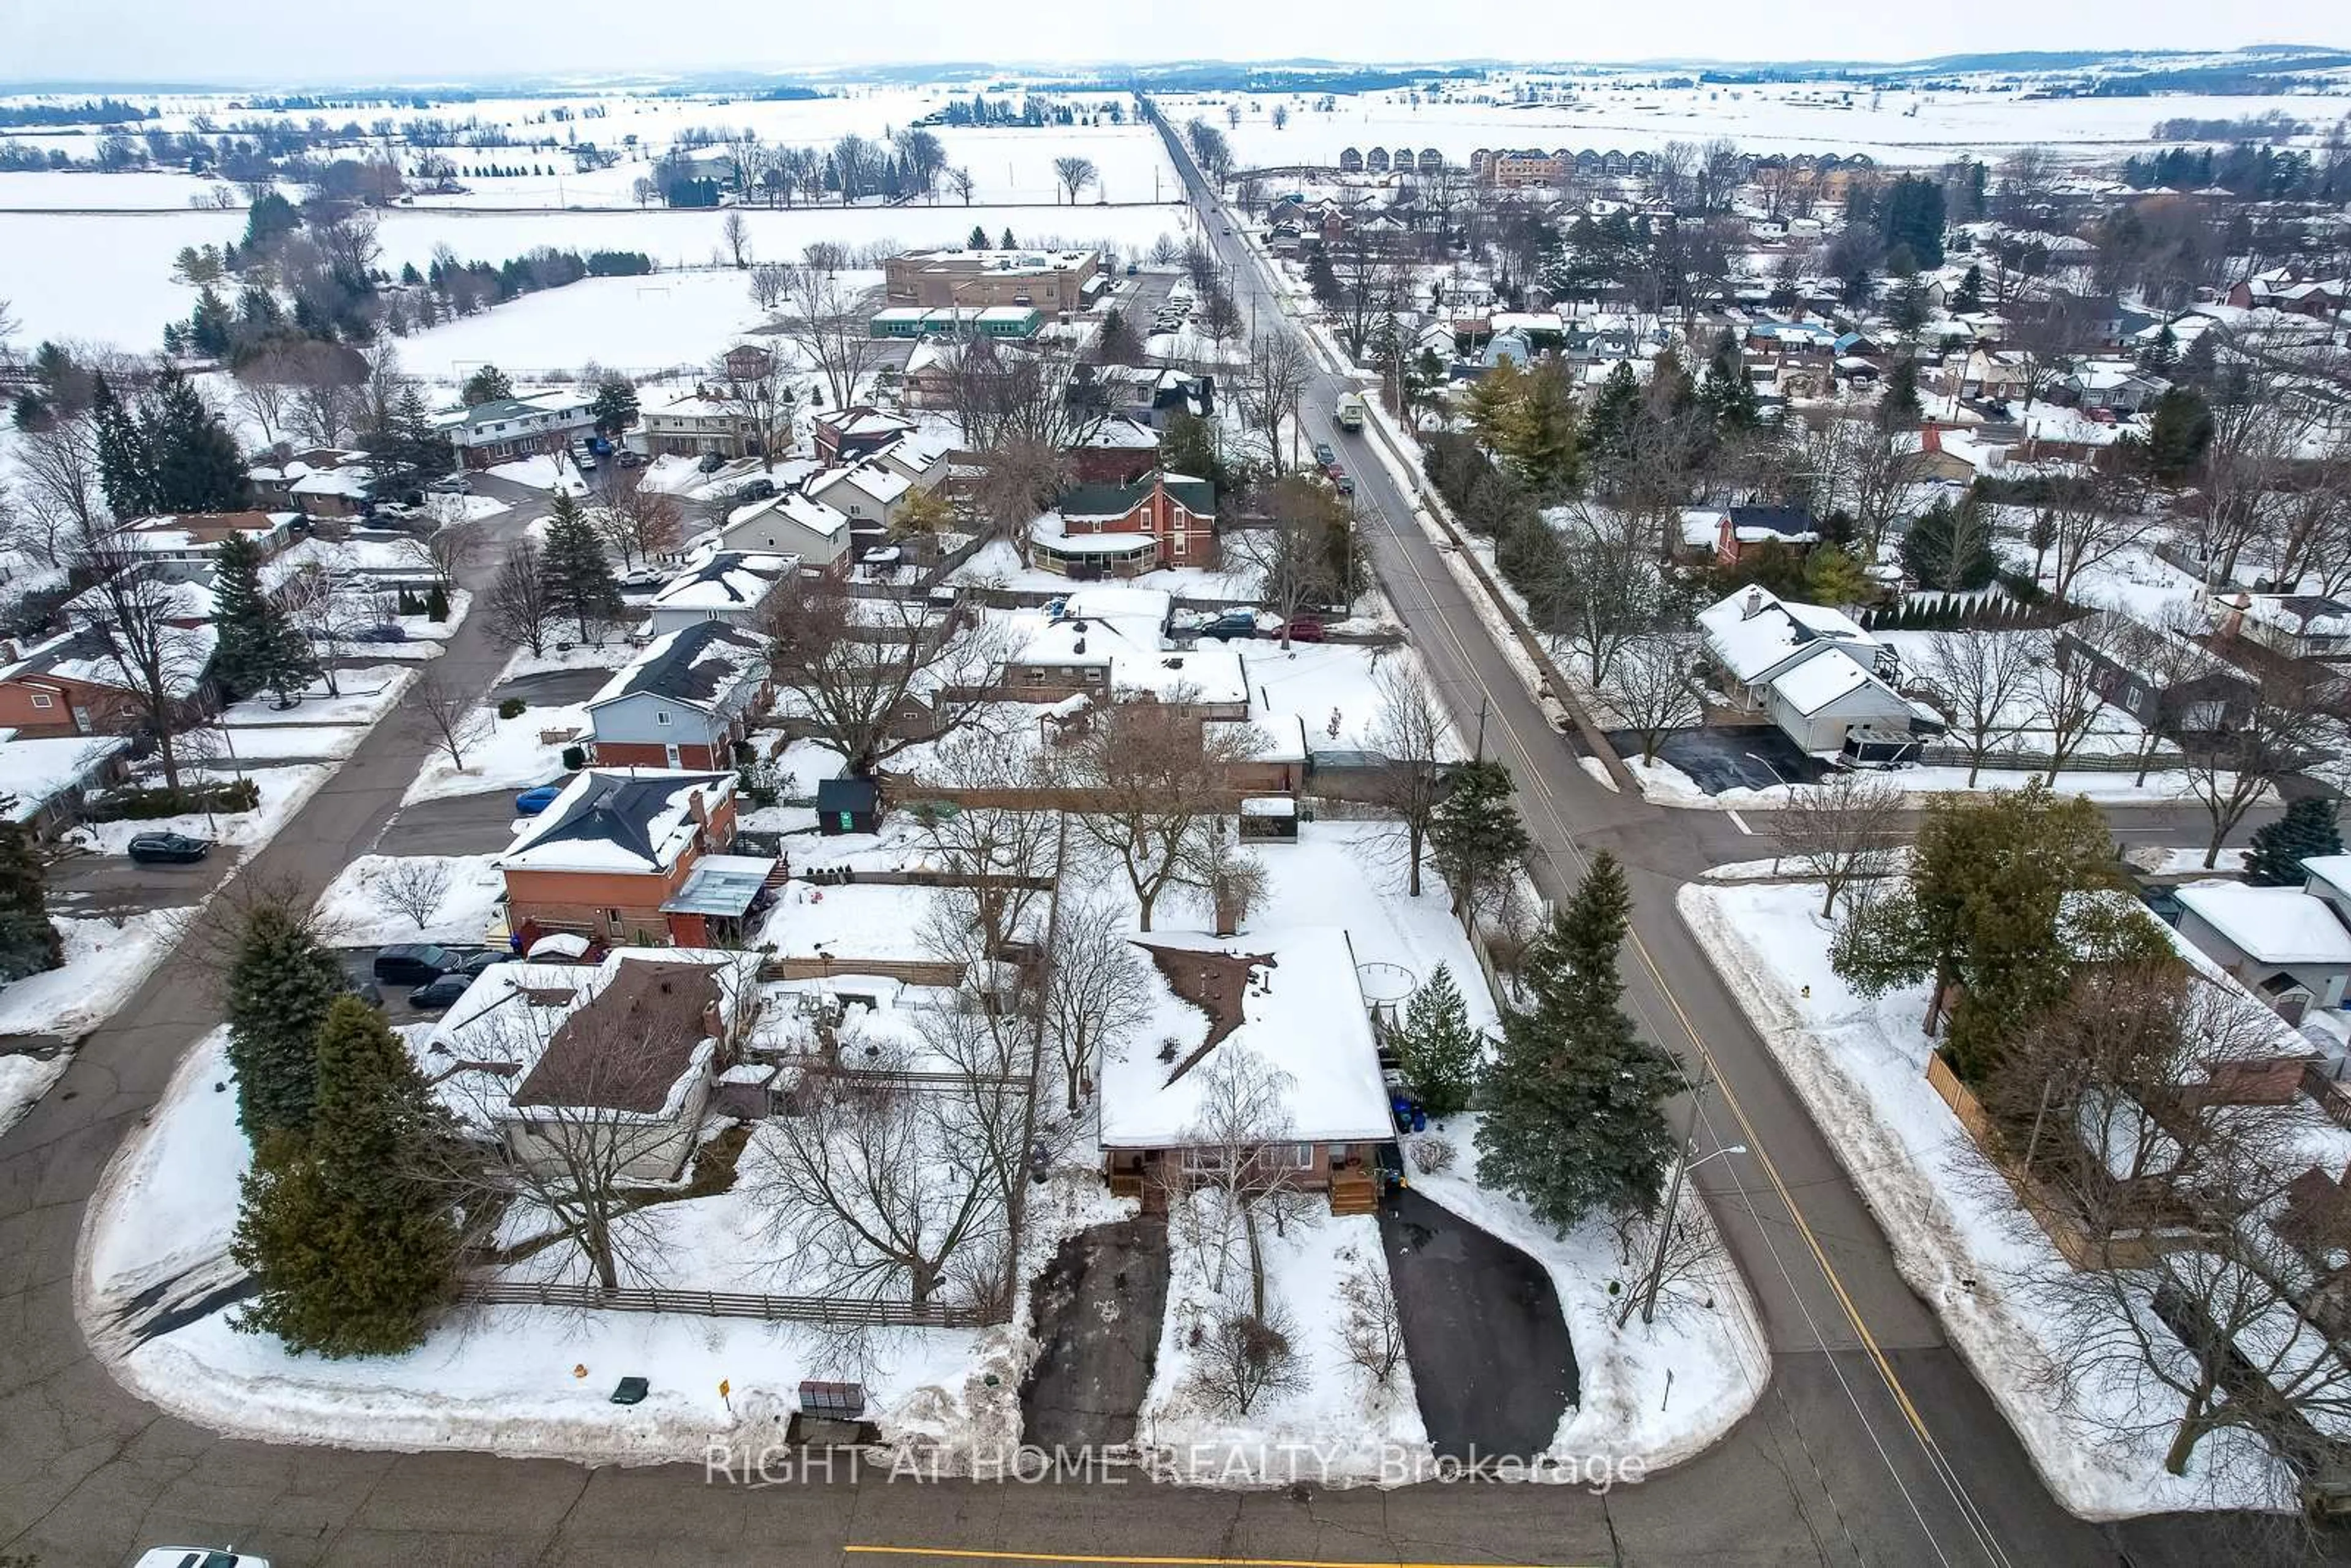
<point>1774,772</point>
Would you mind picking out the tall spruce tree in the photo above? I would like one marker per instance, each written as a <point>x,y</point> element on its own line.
<point>126,467</point>
<point>1575,1122</point>
<point>350,1245</point>
<point>29,939</point>
<point>281,981</point>
<point>1440,1050</point>
<point>260,647</point>
<point>405,448</point>
<point>1476,836</point>
<point>195,464</point>
<point>2308,828</point>
<point>579,584</point>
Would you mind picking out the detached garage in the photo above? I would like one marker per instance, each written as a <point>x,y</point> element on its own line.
<point>1820,700</point>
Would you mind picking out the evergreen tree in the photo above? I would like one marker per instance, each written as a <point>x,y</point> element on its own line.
<point>1608,427</point>
<point>2159,358</point>
<point>194,464</point>
<point>2178,430</point>
<point>1475,836</point>
<point>1898,404</point>
<point>406,449</point>
<point>1911,215</point>
<point>2307,830</point>
<point>281,982</point>
<point>615,405</point>
<point>1008,243</point>
<point>260,648</point>
<point>1832,577</point>
<point>351,1247</point>
<point>1323,280</point>
<point>487,384</point>
<point>270,215</point>
<point>28,941</point>
<point>126,467</point>
<point>1575,1121</point>
<point>1492,401</point>
<point>1726,394</point>
<point>1440,1050</point>
<point>580,585</point>
<point>1538,433</point>
<point>1969,298</point>
<point>1949,549</point>
<point>978,240</point>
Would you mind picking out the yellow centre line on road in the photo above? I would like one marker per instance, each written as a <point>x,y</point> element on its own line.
<point>971,1555</point>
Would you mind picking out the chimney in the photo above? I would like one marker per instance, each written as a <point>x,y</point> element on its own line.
<point>1753,605</point>
<point>693,807</point>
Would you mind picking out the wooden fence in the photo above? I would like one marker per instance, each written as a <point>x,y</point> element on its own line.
<point>720,1305</point>
<point>2038,761</point>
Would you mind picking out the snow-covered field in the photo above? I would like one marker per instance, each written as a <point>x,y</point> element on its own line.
<point>354,912</point>
<point>1861,1067</point>
<point>1898,127</point>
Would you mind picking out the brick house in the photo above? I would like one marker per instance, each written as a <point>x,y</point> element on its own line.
<point>861,430</point>
<point>1745,529</point>
<point>75,684</point>
<point>695,422</point>
<point>616,847</point>
<point>1051,281</point>
<point>185,546</point>
<point>684,702</point>
<point>1124,530</point>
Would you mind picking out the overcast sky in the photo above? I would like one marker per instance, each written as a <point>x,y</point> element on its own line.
<point>369,41</point>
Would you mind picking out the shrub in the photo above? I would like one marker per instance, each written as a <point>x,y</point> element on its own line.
<point>512,707</point>
<point>139,805</point>
<point>574,759</point>
<point>1431,1154</point>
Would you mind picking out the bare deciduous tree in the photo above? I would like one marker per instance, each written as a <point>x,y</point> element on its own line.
<point>1649,689</point>
<point>639,524</point>
<point>1245,1357</point>
<point>414,887</point>
<point>520,614</point>
<point>751,383</point>
<point>2278,736</point>
<point>1846,830</point>
<point>1275,379</point>
<point>130,618</point>
<point>1412,735</point>
<point>826,319</point>
<point>856,664</point>
<point>446,714</point>
<point>769,279</point>
<point>1980,680</point>
<point>1074,175</point>
<point>735,233</point>
<point>1371,1330</point>
<point>1096,991</point>
<point>1160,782</point>
<point>58,475</point>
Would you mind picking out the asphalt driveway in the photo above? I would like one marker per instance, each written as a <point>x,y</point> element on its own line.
<point>1490,1356</point>
<point>1099,1305</point>
<point>479,824</point>
<point>1743,757</point>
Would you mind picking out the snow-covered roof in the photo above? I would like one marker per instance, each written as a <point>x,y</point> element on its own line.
<point>36,770</point>
<point>1753,632</point>
<point>85,655</point>
<point>2271,925</point>
<point>1302,1010</point>
<point>1122,631</point>
<point>729,579</point>
<point>700,665</point>
<point>627,820</point>
<point>884,484</point>
<point>1818,682</point>
<point>806,511</point>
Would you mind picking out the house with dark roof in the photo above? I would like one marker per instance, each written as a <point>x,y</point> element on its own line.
<point>512,427</point>
<point>612,852</point>
<point>1751,527</point>
<point>735,586</point>
<point>685,701</point>
<point>1161,520</point>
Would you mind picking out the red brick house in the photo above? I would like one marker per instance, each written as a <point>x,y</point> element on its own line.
<point>616,858</point>
<point>1124,530</point>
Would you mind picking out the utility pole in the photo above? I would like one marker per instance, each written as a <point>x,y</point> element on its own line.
<point>1673,1200</point>
<point>1477,753</point>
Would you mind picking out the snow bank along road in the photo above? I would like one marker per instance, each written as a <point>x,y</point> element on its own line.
<point>1875,1435</point>
<point>1831,1468</point>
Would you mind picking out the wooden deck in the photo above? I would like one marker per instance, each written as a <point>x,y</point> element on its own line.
<point>1354,1192</point>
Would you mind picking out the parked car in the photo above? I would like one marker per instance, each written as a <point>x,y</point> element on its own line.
<point>452,485</point>
<point>752,490</point>
<point>629,458</point>
<point>413,963</point>
<point>531,802</point>
<point>387,633</point>
<point>1325,455</point>
<point>1305,629</point>
<point>439,996</point>
<point>169,849</point>
<point>395,511</point>
<point>712,462</point>
<point>1232,623</point>
<point>1345,482</point>
<point>489,958</point>
<point>642,582</point>
<point>198,1557</point>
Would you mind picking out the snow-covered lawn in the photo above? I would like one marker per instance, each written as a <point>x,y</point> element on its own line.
<point>1339,1427</point>
<point>283,792</point>
<point>1660,1391</point>
<point>500,753</point>
<point>105,960</point>
<point>543,472</point>
<point>294,742</point>
<point>606,656</point>
<point>1861,1067</point>
<point>1328,685</point>
<point>2158,860</point>
<point>167,1202</point>
<point>354,912</point>
<point>364,695</point>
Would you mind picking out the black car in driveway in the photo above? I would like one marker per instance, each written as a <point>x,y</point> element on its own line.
<point>169,849</point>
<point>414,963</point>
<point>439,996</point>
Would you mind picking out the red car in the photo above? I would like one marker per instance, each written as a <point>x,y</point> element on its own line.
<point>1305,629</point>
